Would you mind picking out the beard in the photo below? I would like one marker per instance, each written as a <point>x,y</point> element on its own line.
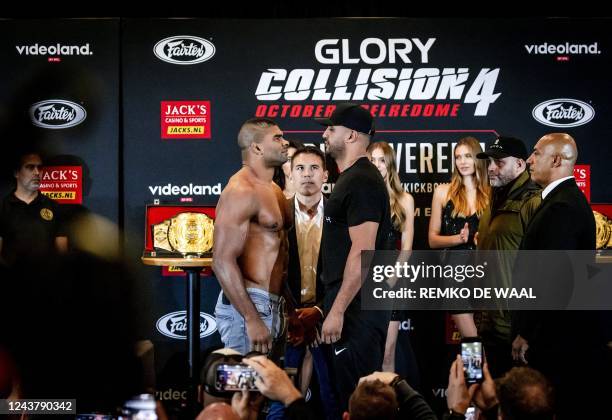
<point>501,180</point>
<point>276,160</point>
<point>334,151</point>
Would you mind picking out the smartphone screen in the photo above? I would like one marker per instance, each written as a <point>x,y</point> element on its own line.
<point>471,354</point>
<point>235,378</point>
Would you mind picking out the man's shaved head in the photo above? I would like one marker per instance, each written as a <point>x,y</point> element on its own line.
<point>553,158</point>
<point>252,131</point>
<point>563,145</point>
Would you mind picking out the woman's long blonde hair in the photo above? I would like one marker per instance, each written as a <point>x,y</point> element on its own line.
<point>394,186</point>
<point>457,192</point>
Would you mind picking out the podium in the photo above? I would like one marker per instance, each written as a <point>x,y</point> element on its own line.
<point>192,264</point>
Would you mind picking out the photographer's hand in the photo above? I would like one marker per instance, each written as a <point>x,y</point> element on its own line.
<point>458,396</point>
<point>272,381</point>
<point>246,405</point>
<point>485,396</point>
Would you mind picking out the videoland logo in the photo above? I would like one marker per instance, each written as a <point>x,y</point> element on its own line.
<point>563,48</point>
<point>54,50</point>
<point>190,189</point>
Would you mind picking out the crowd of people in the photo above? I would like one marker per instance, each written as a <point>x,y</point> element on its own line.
<point>500,198</point>
<point>288,260</point>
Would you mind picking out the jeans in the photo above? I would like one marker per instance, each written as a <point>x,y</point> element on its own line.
<point>232,327</point>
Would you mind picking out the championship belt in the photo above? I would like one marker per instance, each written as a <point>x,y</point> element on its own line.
<point>603,231</point>
<point>186,233</point>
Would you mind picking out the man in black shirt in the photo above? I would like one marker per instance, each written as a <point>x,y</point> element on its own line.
<point>30,225</point>
<point>356,218</point>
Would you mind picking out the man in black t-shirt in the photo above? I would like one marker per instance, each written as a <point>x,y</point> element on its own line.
<point>30,225</point>
<point>357,218</point>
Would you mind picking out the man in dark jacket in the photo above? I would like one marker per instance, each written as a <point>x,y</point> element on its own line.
<point>563,345</point>
<point>514,200</point>
<point>308,173</point>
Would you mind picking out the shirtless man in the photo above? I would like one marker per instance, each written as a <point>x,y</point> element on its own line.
<point>250,244</point>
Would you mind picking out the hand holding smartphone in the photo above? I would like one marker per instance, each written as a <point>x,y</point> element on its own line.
<point>235,377</point>
<point>472,356</point>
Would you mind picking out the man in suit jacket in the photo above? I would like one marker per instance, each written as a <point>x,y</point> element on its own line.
<point>308,173</point>
<point>562,344</point>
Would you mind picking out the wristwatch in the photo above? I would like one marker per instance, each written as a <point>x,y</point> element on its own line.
<point>455,415</point>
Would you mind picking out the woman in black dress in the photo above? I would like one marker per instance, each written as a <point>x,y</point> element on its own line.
<point>456,208</point>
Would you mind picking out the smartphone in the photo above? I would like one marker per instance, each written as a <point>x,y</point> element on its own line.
<point>472,356</point>
<point>235,377</point>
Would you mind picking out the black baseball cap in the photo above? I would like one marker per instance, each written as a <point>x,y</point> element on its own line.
<point>503,147</point>
<point>351,116</point>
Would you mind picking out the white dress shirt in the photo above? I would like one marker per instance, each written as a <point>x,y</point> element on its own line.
<point>552,186</point>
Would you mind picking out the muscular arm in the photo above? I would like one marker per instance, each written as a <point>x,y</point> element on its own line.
<point>235,209</point>
<point>363,237</point>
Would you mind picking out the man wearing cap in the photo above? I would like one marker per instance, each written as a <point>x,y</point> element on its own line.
<point>356,218</point>
<point>514,200</point>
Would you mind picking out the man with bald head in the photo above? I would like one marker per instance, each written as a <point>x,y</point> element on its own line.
<point>250,244</point>
<point>564,345</point>
<point>565,220</point>
<point>218,411</point>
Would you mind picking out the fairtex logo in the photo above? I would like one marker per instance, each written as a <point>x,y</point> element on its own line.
<point>563,113</point>
<point>56,114</point>
<point>54,50</point>
<point>174,325</point>
<point>190,189</point>
<point>184,50</point>
<point>563,49</point>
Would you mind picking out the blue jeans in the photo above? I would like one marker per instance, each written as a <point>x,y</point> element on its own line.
<point>232,327</point>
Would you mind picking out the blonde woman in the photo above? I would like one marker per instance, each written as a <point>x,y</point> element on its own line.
<point>402,217</point>
<point>456,209</point>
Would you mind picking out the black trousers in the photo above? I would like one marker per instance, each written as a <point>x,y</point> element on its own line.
<point>360,350</point>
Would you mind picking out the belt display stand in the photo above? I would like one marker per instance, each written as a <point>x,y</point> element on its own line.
<point>192,264</point>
